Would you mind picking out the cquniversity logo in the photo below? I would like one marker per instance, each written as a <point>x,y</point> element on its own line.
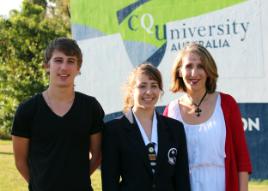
<point>141,23</point>
<point>143,39</point>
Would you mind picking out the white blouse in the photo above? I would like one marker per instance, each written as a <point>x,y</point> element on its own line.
<point>206,149</point>
<point>154,136</point>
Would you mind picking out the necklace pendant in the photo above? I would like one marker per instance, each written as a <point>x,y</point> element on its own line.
<point>198,111</point>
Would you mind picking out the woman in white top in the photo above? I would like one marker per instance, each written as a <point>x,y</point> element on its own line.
<point>217,151</point>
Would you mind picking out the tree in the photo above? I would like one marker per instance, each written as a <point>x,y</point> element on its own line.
<point>24,36</point>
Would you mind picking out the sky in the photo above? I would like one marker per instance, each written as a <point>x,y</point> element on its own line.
<point>7,5</point>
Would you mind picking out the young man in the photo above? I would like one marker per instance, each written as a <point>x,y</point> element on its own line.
<point>56,134</point>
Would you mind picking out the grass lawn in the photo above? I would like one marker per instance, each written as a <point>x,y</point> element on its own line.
<point>10,180</point>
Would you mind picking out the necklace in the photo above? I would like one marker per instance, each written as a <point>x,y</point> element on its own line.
<point>197,106</point>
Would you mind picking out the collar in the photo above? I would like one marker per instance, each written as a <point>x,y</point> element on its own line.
<point>154,136</point>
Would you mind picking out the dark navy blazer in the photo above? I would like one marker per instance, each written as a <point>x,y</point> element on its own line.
<point>125,164</point>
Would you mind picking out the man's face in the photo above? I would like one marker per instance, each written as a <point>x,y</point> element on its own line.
<point>62,69</point>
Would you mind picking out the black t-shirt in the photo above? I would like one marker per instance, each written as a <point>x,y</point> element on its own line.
<point>59,146</point>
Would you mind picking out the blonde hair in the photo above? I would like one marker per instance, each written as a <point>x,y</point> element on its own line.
<point>177,83</point>
<point>149,70</point>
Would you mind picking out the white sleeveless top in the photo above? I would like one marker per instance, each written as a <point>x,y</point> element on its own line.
<point>206,149</point>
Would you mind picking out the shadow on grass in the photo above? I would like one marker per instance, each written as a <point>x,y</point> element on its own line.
<point>6,153</point>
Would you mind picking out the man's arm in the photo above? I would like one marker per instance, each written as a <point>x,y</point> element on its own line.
<point>20,148</point>
<point>95,151</point>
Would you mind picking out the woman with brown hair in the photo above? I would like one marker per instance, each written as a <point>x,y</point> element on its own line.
<point>217,150</point>
<point>143,150</point>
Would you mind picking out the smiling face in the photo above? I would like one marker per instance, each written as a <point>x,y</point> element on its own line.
<point>194,54</point>
<point>145,93</point>
<point>193,73</point>
<point>62,69</point>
